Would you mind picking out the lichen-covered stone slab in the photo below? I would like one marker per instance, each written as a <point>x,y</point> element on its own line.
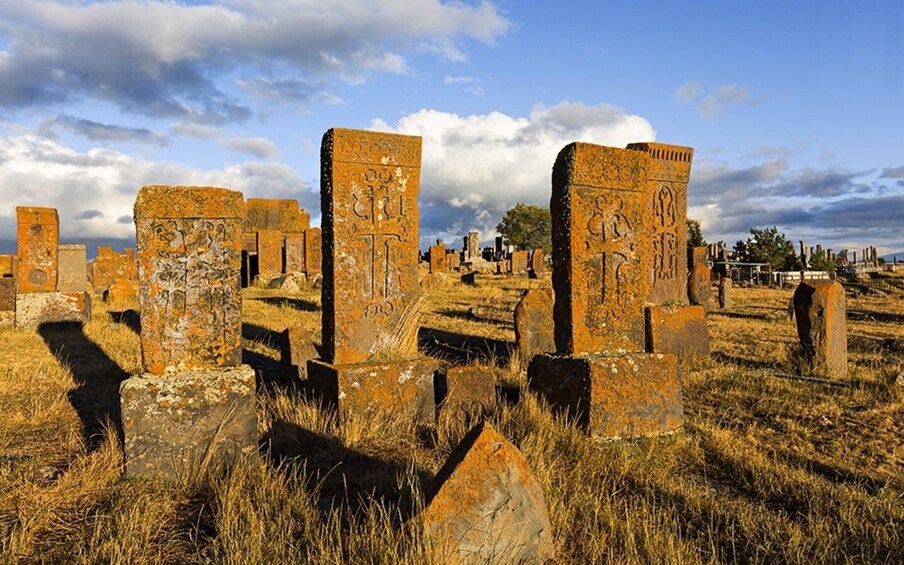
<point>173,425</point>
<point>519,262</point>
<point>294,253</point>
<point>612,395</point>
<point>7,294</point>
<point>534,330</point>
<point>36,308</point>
<point>486,506</point>
<point>396,387</point>
<point>102,269</point>
<point>466,393</point>
<point>296,348</point>
<point>725,301</point>
<point>8,266</point>
<point>369,202</point>
<point>189,254</point>
<point>602,244</point>
<point>453,261</point>
<point>122,290</point>
<point>699,289</point>
<point>38,238</point>
<point>680,330</point>
<point>269,252</point>
<point>820,312</point>
<point>697,256</point>
<point>670,169</point>
<point>284,216</point>
<point>538,261</point>
<point>313,251</point>
<point>73,268</point>
<point>438,262</point>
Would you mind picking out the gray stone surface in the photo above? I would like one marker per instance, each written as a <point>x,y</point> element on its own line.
<point>179,423</point>
<point>36,308</point>
<point>296,348</point>
<point>73,268</point>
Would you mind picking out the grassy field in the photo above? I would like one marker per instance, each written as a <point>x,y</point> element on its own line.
<point>768,468</point>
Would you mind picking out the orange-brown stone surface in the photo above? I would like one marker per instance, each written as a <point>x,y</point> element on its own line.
<point>249,242</point>
<point>725,301</point>
<point>538,261</point>
<point>189,255</point>
<point>34,309</point>
<point>369,203</point>
<point>313,251</point>
<point>602,244</point>
<point>294,253</point>
<point>38,237</point>
<point>699,289</point>
<point>697,256</point>
<point>819,309</point>
<point>132,262</point>
<point>667,185</point>
<point>269,252</point>
<point>486,506</point>
<point>8,266</point>
<point>120,291</point>
<point>534,331</point>
<point>296,348</point>
<point>612,396</point>
<point>680,330</point>
<point>466,393</point>
<point>7,294</point>
<point>453,261</point>
<point>279,215</point>
<point>438,258</point>
<point>519,262</point>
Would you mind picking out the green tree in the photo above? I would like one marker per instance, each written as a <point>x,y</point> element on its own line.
<point>768,246</point>
<point>527,227</point>
<point>820,262</point>
<point>695,234</point>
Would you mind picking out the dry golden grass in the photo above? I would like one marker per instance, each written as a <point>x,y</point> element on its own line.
<point>767,469</point>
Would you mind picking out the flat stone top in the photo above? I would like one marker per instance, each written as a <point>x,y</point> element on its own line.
<point>371,147</point>
<point>72,246</point>
<point>586,164</point>
<point>103,251</point>
<point>160,201</point>
<point>670,162</point>
<point>36,215</point>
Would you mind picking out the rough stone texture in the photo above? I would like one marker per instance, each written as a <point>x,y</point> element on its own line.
<point>698,285</point>
<point>602,246</point>
<point>176,423</point>
<point>36,308</point>
<point>313,251</point>
<point>369,203</point>
<point>679,330</point>
<point>278,215</point>
<point>697,256</point>
<point>102,269</point>
<point>472,246</point>
<point>612,395</point>
<point>296,348</point>
<point>453,261</point>
<point>538,261</point>
<point>73,268</point>
<point>819,309</point>
<point>667,185</point>
<point>438,258</point>
<point>466,393</point>
<point>398,387</point>
<point>725,293</point>
<point>294,248</point>
<point>7,294</point>
<point>470,278</point>
<point>249,242</point>
<point>534,330</point>
<point>38,237</point>
<point>269,252</point>
<point>434,280</point>
<point>8,266</point>
<point>132,261</point>
<point>486,506</point>
<point>189,253</point>
<point>519,262</point>
<point>122,266</point>
<point>122,290</point>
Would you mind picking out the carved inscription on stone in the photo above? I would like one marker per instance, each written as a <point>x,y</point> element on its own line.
<point>38,236</point>
<point>665,238</point>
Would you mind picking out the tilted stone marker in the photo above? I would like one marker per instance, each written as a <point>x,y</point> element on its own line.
<point>369,202</point>
<point>602,276</point>
<point>486,506</point>
<point>725,301</point>
<point>819,310</point>
<point>534,332</point>
<point>195,404</point>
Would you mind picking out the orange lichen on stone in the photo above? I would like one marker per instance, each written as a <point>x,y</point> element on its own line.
<point>369,195</point>
<point>38,236</point>
<point>8,266</point>
<point>820,312</point>
<point>269,252</point>
<point>189,258</point>
<point>313,251</point>
<point>438,262</point>
<point>680,330</point>
<point>467,392</point>
<point>519,262</point>
<point>697,256</point>
<point>699,287</point>
<point>294,253</point>
<point>279,215</point>
<point>534,331</point>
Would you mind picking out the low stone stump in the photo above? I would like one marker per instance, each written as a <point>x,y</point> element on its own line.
<point>486,506</point>
<point>36,308</point>
<point>7,294</point>
<point>614,395</point>
<point>179,422</point>
<point>534,329</point>
<point>402,387</point>
<point>819,310</point>
<point>465,393</point>
<point>699,290</point>
<point>679,330</point>
<point>725,301</point>
<point>296,348</point>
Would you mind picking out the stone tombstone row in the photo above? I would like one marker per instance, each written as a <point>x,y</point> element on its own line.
<point>277,234</point>
<point>108,267</point>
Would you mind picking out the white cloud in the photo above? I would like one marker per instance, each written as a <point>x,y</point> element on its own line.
<point>260,147</point>
<point>457,80</point>
<point>714,102</point>
<point>688,91</point>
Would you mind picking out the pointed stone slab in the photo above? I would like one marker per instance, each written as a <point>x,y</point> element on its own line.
<point>486,506</point>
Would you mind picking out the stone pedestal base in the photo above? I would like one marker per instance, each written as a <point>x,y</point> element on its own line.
<point>36,308</point>
<point>679,330</point>
<point>176,423</point>
<point>612,396</point>
<point>398,387</point>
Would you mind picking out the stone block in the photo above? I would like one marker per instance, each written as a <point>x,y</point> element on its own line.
<point>697,256</point>
<point>699,290</point>
<point>122,290</point>
<point>453,261</point>
<point>679,330</point>
<point>73,265</point>
<point>7,294</point>
<point>313,252</point>
<point>36,308</point>
<point>101,272</point>
<point>725,301</point>
<point>296,348</point>
<point>132,262</point>
<point>819,310</point>
<point>538,261</point>
<point>269,252</point>
<point>38,239</point>
<point>612,395</point>
<point>180,422</point>
<point>519,262</point>
<point>284,216</point>
<point>469,278</point>
<point>438,262</point>
<point>534,330</point>
<point>294,253</point>
<point>398,387</point>
<point>249,242</point>
<point>467,392</point>
<point>8,266</point>
<point>486,506</point>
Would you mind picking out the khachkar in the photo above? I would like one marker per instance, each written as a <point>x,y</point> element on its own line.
<point>369,191</point>
<point>39,298</point>
<point>194,405</point>
<point>602,275</point>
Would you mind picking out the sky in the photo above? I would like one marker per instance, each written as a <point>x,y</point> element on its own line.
<point>795,110</point>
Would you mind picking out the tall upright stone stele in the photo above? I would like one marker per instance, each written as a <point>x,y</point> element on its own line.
<point>369,204</point>
<point>602,276</point>
<point>820,313</point>
<point>195,403</point>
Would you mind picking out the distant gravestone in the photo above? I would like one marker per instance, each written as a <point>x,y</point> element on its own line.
<point>538,261</point>
<point>466,393</point>
<point>679,330</point>
<point>38,237</point>
<point>195,404</point>
<point>102,269</point>
<point>519,262</point>
<point>296,349</point>
<point>269,252</point>
<point>438,258</point>
<point>312,251</point>
<point>725,301</point>
<point>699,290</point>
<point>819,310</point>
<point>294,249</point>
<point>486,506</point>
<point>534,331</point>
<point>73,276</point>
<point>453,261</point>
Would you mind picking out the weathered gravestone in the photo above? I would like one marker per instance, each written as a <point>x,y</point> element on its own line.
<point>519,262</point>
<point>313,254</point>
<point>725,293</point>
<point>369,202</point>
<point>296,348</point>
<point>680,330</point>
<point>819,309</point>
<point>284,216</point>
<point>453,261</point>
<point>195,404</point>
<point>438,262</point>
<point>699,290</point>
<point>486,506</point>
<point>7,284</point>
<point>269,252</point>
<point>73,261</point>
<point>466,393</point>
<point>534,332</point>
<point>294,249</point>
<point>602,276</point>
<point>537,262</point>
<point>102,269</point>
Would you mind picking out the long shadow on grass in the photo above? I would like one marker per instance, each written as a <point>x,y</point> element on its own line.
<point>297,303</point>
<point>870,316</point>
<point>340,477</point>
<point>721,357</point>
<point>129,318</point>
<point>264,335</point>
<point>463,349</point>
<point>96,395</point>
